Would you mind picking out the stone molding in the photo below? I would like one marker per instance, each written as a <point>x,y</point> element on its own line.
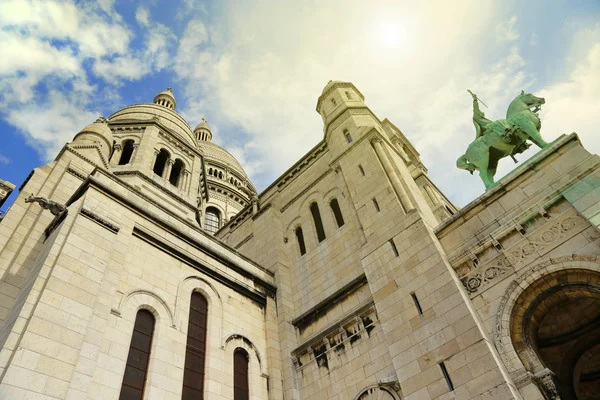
<point>532,245</point>
<point>183,256</point>
<point>139,292</point>
<point>99,220</point>
<point>339,119</point>
<point>156,185</point>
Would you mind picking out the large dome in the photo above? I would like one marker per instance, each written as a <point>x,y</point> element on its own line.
<point>214,152</point>
<point>166,116</point>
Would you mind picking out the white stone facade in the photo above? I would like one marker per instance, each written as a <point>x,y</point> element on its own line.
<point>386,292</point>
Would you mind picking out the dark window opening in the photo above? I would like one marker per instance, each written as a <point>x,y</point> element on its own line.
<point>376,204</point>
<point>333,101</point>
<point>161,162</point>
<point>347,136</point>
<point>348,95</point>
<point>136,368</point>
<point>417,304</point>
<point>240,375</point>
<point>300,237</point>
<point>362,171</point>
<point>126,153</point>
<point>314,210</point>
<point>321,356</point>
<point>176,171</point>
<point>212,220</point>
<point>447,376</point>
<point>193,374</point>
<point>337,213</point>
<point>394,248</point>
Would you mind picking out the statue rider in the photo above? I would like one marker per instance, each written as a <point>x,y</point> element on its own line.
<point>479,119</point>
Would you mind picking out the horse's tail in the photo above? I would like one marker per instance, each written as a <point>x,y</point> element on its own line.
<point>463,163</point>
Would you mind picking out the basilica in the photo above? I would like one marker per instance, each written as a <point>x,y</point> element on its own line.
<point>142,263</point>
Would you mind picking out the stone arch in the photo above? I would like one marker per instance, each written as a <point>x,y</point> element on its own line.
<point>242,341</point>
<point>192,284</point>
<point>312,197</point>
<point>521,324</point>
<point>258,377</point>
<point>141,298</point>
<point>377,392</point>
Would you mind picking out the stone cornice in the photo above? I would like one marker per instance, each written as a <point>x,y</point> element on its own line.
<point>6,185</point>
<point>337,121</point>
<point>156,185</point>
<point>93,181</point>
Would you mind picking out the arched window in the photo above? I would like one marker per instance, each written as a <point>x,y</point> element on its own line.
<point>314,210</point>
<point>348,95</point>
<point>240,375</point>
<point>300,237</point>
<point>136,368</point>
<point>195,353</point>
<point>212,220</point>
<point>220,175</point>
<point>176,171</point>
<point>335,207</point>
<point>126,153</point>
<point>161,162</point>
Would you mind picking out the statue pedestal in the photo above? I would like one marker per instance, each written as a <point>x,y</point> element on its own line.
<point>532,236</point>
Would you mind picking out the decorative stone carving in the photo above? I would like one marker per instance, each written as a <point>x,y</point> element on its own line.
<point>545,381</point>
<point>482,277</point>
<point>47,204</point>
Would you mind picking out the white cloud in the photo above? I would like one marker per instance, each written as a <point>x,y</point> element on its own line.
<point>4,159</point>
<point>506,31</point>
<point>49,125</point>
<point>572,105</point>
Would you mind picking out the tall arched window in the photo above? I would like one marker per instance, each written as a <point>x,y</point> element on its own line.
<point>176,171</point>
<point>300,237</point>
<point>126,153</point>
<point>212,220</point>
<point>161,161</point>
<point>314,210</point>
<point>240,375</point>
<point>335,207</point>
<point>195,354</point>
<point>136,369</point>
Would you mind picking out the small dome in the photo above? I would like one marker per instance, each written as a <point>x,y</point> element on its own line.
<point>98,132</point>
<point>166,99</point>
<point>202,131</point>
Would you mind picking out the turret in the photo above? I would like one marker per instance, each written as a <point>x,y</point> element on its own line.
<point>345,115</point>
<point>98,134</point>
<point>166,99</point>
<point>203,132</point>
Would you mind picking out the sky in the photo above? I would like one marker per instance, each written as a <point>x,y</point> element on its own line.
<point>254,70</point>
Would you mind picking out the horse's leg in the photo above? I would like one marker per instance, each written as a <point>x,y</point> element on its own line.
<point>484,173</point>
<point>529,128</point>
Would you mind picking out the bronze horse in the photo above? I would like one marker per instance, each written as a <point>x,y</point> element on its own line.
<point>504,137</point>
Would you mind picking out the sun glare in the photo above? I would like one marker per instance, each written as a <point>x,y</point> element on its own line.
<point>391,34</point>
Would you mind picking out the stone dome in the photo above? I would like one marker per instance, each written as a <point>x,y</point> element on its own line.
<point>214,152</point>
<point>97,132</point>
<point>166,98</point>
<point>203,132</point>
<point>167,117</point>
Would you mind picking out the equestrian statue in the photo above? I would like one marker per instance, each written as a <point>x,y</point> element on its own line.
<point>502,138</point>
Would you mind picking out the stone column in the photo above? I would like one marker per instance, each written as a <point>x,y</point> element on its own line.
<point>116,156</point>
<point>135,149</point>
<point>167,170</point>
<point>432,195</point>
<point>153,160</point>
<point>400,149</point>
<point>392,176</point>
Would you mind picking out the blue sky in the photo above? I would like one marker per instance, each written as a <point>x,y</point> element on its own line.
<point>254,70</point>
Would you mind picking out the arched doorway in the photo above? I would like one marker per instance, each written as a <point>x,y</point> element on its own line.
<point>555,331</point>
